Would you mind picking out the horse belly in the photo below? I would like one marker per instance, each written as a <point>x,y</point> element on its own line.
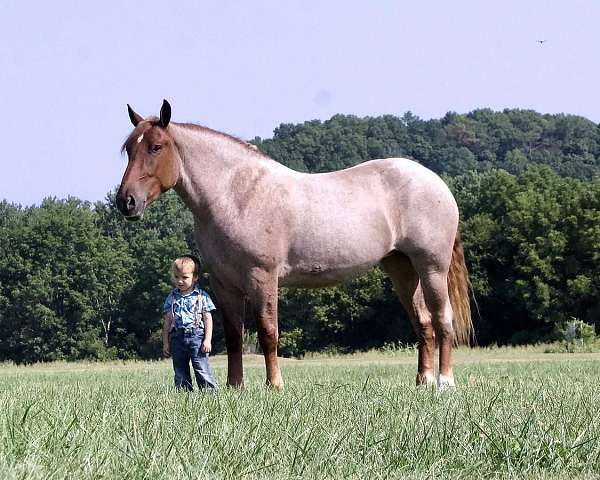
<point>328,257</point>
<point>320,276</point>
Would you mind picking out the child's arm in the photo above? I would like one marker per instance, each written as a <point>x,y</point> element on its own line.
<point>208,329</point>
<point>167,318</point>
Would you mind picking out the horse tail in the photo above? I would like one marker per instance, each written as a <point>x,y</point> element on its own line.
<point>458,290</point>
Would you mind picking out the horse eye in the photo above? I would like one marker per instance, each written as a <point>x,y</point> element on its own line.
<point>155,148</point>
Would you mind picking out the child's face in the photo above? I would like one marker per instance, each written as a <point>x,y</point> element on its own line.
<point>184,278</point>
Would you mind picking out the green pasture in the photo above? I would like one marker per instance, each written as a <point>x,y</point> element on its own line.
<point>517,413</point>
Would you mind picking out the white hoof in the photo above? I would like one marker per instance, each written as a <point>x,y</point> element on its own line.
<point>426,380</point>
<point>445,383</point>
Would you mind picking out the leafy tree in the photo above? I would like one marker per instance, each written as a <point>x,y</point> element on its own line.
<point>57,271</point>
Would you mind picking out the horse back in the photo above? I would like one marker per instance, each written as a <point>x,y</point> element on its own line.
<point>343,223</point>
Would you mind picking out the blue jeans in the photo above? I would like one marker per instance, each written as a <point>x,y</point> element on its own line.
<point>185,348</point>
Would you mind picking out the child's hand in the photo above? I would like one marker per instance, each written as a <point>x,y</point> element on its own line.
<point>206,347</point>
<point>166,351</point>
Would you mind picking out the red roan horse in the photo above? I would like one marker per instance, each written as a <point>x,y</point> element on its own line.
<point>260,225</point>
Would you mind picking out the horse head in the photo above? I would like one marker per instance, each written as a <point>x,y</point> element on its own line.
<point>153,165</point>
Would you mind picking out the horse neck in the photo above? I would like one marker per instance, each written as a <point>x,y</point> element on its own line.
<point>209,162</point>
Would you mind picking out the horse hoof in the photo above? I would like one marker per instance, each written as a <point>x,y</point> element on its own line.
<point>425,380</point>
<point>236,386</point>
<point>445,383</point>
<point>275,387</point>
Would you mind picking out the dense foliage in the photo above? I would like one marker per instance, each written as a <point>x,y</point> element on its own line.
<point>78,281</point>
<point>482,140</point>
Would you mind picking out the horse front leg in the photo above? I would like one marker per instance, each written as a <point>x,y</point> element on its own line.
<point>232,308</point>
<point>234,332</point>
<point>263,294</point>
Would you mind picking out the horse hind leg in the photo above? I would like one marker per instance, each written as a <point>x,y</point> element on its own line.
<point>434,284</point>
<point>407,286</point>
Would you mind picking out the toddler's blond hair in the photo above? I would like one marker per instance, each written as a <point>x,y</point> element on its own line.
<point>180,262</point>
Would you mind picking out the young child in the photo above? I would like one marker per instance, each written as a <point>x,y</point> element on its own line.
<point>188,326</point>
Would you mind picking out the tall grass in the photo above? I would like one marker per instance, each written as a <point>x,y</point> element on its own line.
<point>343,417</point>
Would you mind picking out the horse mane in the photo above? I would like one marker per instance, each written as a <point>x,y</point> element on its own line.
<point>249,146</point>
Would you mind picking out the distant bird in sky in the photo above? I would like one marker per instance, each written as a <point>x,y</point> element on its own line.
<point>541,42</point>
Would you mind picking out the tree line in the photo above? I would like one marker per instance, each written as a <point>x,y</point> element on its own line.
<point>78,281</point>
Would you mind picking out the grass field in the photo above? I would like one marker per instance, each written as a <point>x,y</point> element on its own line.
<point>517,413</point>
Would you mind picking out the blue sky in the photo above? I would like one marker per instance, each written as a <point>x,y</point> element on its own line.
<point>68,69</point>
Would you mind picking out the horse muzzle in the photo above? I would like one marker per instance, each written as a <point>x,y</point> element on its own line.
<point>130,206</point>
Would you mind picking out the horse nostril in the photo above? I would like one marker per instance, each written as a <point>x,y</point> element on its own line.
<point>130,204</point>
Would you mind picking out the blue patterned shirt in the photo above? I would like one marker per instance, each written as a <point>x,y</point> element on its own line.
<point>188,309</point>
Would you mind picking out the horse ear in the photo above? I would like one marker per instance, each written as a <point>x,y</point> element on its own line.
<point>165,114</point>
<point>134,117</point>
